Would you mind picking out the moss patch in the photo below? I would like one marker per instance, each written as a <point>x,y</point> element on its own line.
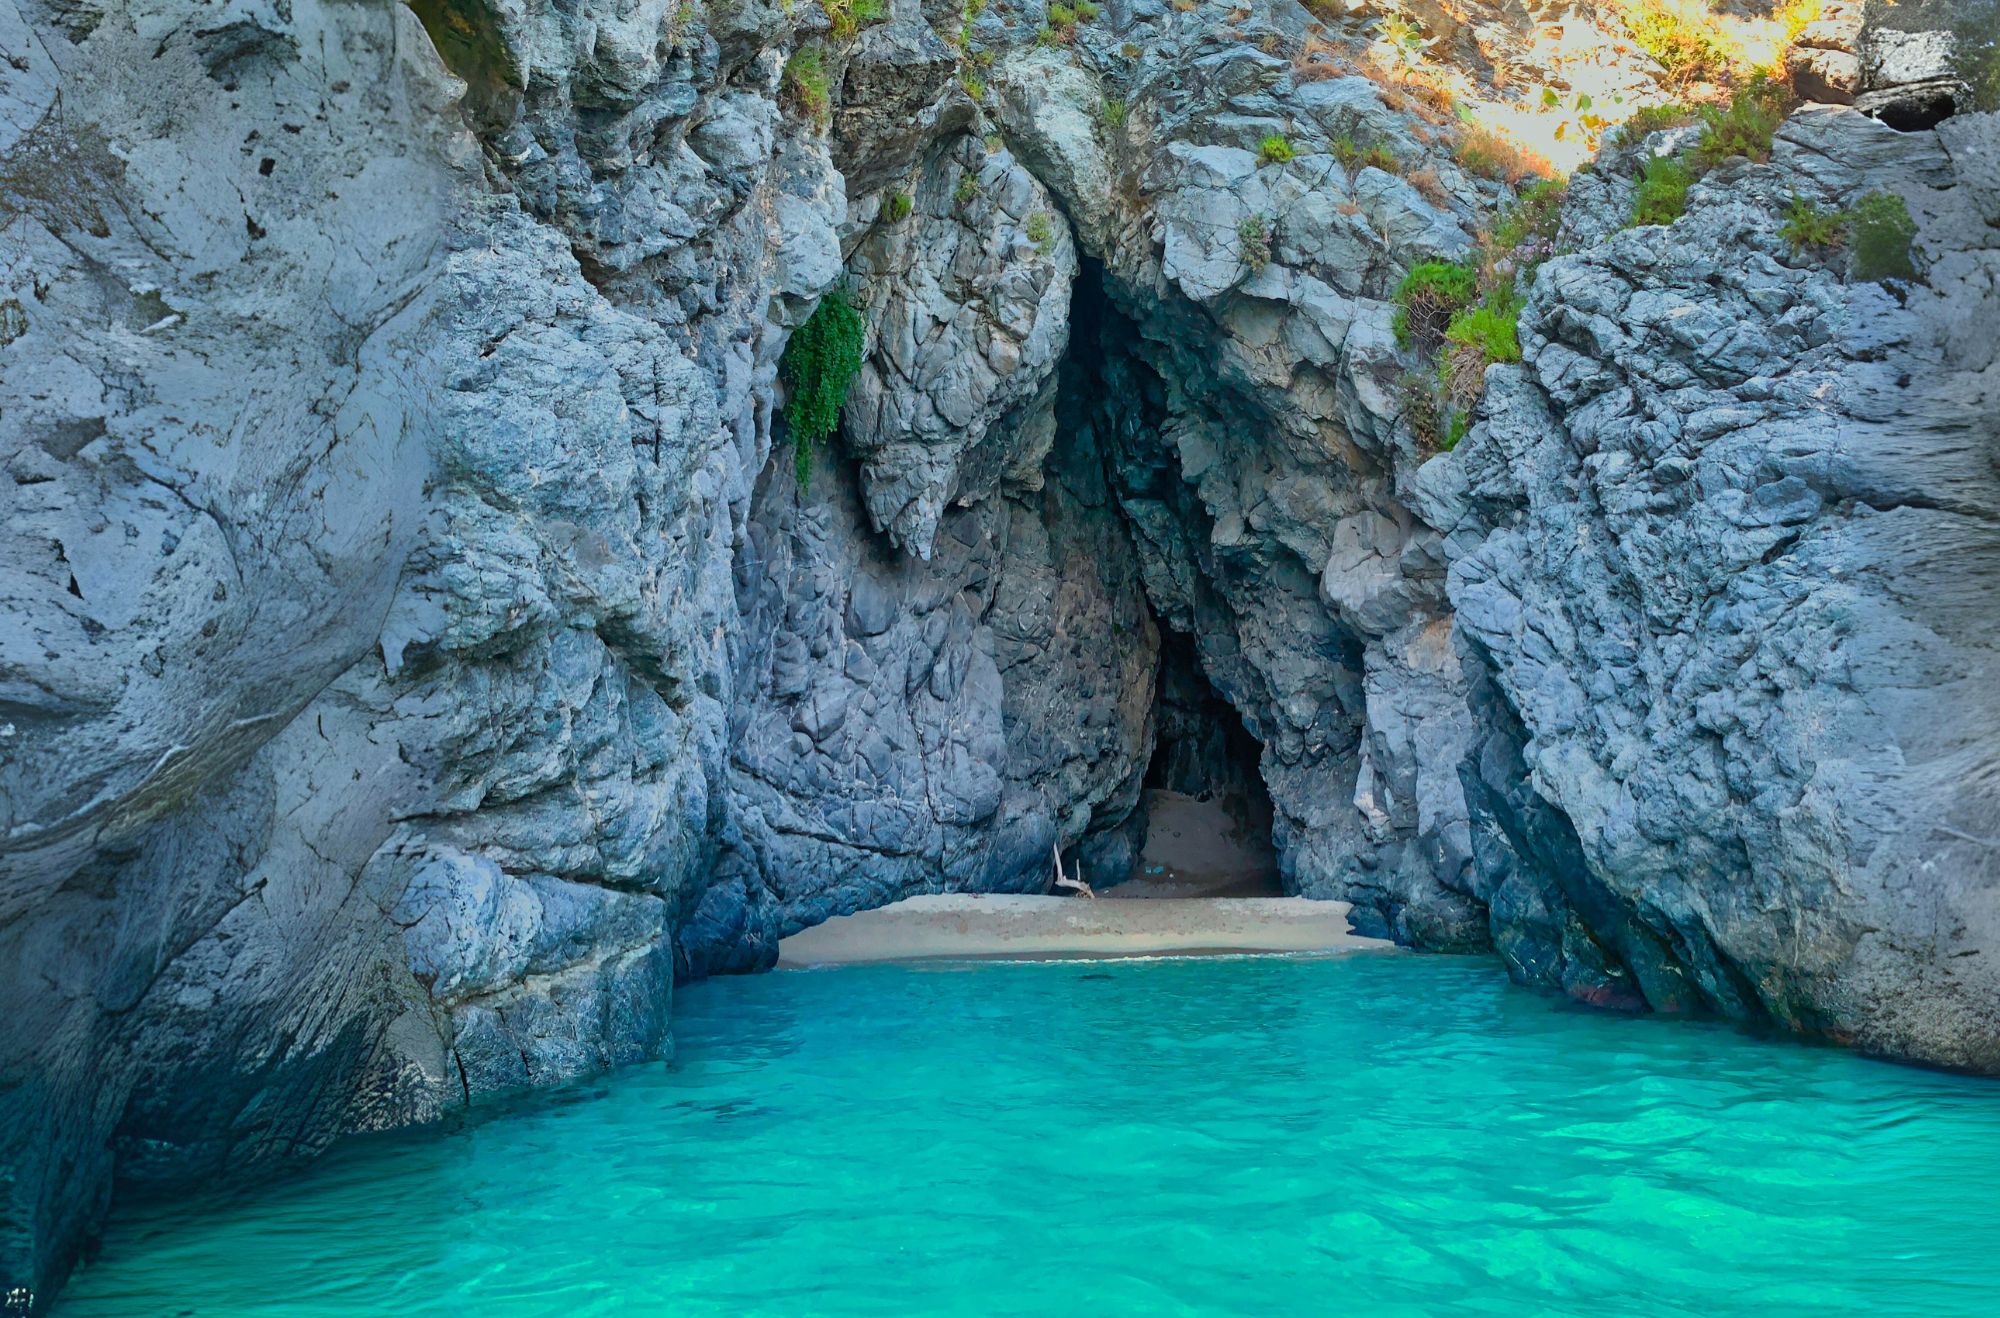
<point>1663,191</point>
<point>1427,299</point>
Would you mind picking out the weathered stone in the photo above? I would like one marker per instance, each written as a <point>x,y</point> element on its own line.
<point>1829,76</point>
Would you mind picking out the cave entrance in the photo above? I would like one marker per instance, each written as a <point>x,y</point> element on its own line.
<point>1208,815</point>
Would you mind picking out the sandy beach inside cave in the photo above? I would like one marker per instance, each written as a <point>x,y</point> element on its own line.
<point>1206,885</point>
<point>1198,847</point>
<point>966,926</point>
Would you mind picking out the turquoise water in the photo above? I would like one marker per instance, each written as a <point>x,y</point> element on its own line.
<point>1380,1135</point>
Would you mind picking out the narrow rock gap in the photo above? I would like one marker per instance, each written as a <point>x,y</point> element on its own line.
<point>1208,813</point>
<point>1919,111</point>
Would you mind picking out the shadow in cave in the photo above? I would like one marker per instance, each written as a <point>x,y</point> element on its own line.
<point>1208,815</point>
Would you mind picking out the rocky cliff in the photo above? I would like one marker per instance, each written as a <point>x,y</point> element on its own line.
<point>422,644</point>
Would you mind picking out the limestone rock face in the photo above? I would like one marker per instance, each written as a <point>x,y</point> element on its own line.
<point>1824,64</point>
<point>369,568</point>
<point>418,652</point>
<point>909,725</point>
<point>969,317</point>
<point>1733,565</point>
<point>409,665</point>
<point>1260,465</point>
<point>225,341</point>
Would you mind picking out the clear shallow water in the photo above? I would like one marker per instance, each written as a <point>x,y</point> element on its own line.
<point>1381,1135</point>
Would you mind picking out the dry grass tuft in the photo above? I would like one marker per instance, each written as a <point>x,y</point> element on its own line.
<point>1430,186</point>
<point>1490,155</point>
<point>1462,374</point>
<point>1436,98</point>
<point>1316,61</point>
<point>1429,92</point>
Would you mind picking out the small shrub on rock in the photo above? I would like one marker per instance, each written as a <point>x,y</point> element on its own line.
<point>1461,378</point>
<point>1086,12</point>
<point>1663,190</point>
<point>1806,225</point>
<point>819,363</point>
<point>1356,157</point>
<point>1650,119</point>
<point>1275,149</point>
<point>1490,328</point>
<point>966,191</point>
<point>1745,127</point>
<point>1253,235</point>
<point>1113,113</point>
<point>1682,35</point>
<point>1061,15</point>
<point>1434,424</point>
<point>1421,412</point>
<point>899,206</point>
<point>1039,231</point>
<point>1536,215</point>
<point>807,86</point>
<point>847,17</point>
<point>1525,234</point>
<point>1428,299</point>
<point>1881,233</point>
<point>1461,319</point>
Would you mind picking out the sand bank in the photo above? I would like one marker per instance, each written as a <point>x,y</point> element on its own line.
<point>966,926</point>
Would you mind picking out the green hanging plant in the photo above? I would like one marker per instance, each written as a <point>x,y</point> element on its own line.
<point>818,365</point>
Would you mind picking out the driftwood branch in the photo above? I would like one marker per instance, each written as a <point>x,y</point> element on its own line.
<point>1065,881</point>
